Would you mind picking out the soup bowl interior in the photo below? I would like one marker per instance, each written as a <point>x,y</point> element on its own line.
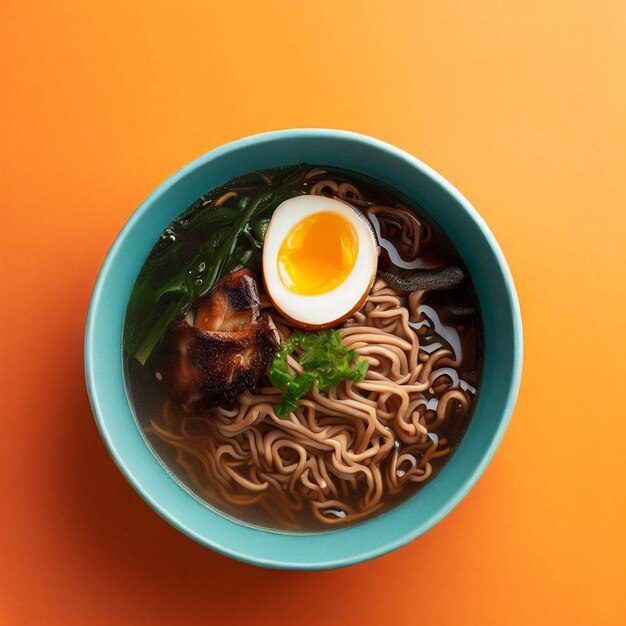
<point>502,350</point>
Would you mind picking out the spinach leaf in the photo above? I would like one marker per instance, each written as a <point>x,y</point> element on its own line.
<point>200,247</point>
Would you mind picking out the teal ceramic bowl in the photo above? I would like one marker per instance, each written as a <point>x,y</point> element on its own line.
<point>502,367</point>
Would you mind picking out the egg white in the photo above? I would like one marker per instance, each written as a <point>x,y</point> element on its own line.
<point>329,308</point>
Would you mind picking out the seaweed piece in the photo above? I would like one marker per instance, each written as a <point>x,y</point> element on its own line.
<point>425,280</point>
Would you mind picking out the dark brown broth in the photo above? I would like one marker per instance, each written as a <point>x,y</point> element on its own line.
<point>148,396</point>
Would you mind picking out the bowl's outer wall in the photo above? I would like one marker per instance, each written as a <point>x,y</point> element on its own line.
<point>503,348</point>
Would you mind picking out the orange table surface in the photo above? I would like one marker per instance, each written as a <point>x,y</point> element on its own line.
<point>522,105</point>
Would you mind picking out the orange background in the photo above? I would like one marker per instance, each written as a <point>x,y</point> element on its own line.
<point>522,105</point>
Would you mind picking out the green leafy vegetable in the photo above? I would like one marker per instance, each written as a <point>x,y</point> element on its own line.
<point>325,360</point>
<point>200,247</point>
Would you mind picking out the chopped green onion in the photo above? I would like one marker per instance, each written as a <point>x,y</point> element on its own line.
<point>325,360</point>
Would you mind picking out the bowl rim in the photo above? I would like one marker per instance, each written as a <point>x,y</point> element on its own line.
<point>464,485</point>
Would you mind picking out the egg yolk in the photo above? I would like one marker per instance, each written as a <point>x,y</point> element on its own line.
<point>318,254</point>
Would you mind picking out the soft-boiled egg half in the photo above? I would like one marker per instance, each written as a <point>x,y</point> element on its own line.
<point>320,257</point>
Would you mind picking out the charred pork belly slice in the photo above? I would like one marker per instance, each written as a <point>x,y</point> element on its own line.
<point>225,352</point>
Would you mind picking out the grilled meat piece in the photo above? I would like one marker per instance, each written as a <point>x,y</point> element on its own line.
<point>225,352</point>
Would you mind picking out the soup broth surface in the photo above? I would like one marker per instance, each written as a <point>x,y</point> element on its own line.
<point>343,456</point>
